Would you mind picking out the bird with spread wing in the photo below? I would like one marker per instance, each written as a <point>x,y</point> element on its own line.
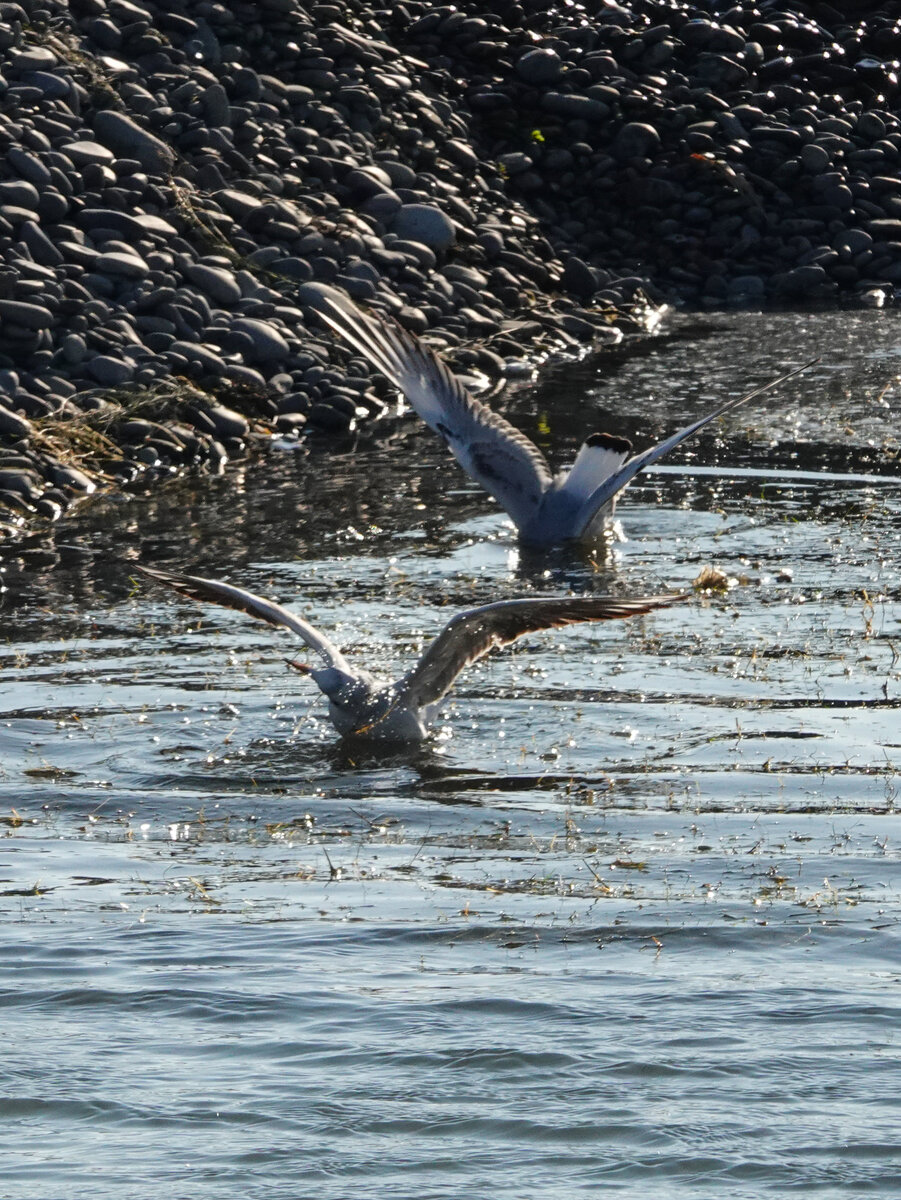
<point>401,711</point>
<point>576,505</point>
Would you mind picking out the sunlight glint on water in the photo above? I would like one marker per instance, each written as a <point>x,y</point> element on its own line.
<point>629,923</point>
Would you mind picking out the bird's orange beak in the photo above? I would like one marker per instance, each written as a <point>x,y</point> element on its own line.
<point>304,668</point>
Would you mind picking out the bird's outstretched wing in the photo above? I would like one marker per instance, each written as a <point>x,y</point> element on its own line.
<point>472,634</point>
<point>504,461</point>
<point>208,591</point>
<point>610,482</point>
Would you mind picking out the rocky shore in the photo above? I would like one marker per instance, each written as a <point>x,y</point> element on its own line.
<point>505,178</point>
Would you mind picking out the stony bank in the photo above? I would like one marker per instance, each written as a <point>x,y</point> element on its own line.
<point>506,178</point>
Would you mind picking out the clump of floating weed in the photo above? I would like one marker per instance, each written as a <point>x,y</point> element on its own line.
<point>712,580</point>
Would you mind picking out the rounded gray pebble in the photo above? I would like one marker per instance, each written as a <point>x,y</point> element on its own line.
<point>426,224</point>
<point>128,265</point>
<point>268,343</point>
<point>636,140</point>
<point>110,372</point>
<point>125,136</point>
<point>216,282</point>
<point>14,424</point>
<point>539,66</point>
<point>29,316</point>
<point>19,193</point>
<point>814,158</point>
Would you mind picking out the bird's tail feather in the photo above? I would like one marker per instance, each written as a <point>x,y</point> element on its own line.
<point>599,457</point>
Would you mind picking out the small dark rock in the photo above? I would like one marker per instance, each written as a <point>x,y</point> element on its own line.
<point>636,140</point>
<point>539,66</point>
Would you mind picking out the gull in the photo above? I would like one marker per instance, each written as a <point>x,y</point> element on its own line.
<point>577,504</point>
<point>401,711</point>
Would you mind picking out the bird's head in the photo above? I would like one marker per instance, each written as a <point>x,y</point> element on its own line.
<point>355,701</point>
<point>340,687</point>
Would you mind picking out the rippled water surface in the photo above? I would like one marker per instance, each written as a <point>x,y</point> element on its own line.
<point>628,924</point>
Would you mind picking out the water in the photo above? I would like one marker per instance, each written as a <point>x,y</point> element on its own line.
<point>629,924</point>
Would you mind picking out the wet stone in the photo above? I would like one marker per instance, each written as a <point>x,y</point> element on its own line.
<point>110,372</point>
<point>216,282</point>
<point>575,107</point>
<point>870,127</point>
<point>329,419</point>
<point>73,349</point>
<point>854,241</point>
<point>268,345</point>
<point>885,230</point>
<point>13,424</point>
<point>426,224</point>
<point>28,316</point>
<point>636,140</point>
<point>116,263</point>
<point>124,135</point>
<point>815,158</point>
<point>539,66</point>
<point>21,481</point>
<point>83,153</point>
<point>29,166</point>
<point>579,278</point>
<point>801,281</point>
<point>18,193</point>
<point>70,477</point>
<point>226,422</point>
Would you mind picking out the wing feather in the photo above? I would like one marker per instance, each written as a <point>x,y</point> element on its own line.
<point>615,483</point>
<point>209,591</point>
<point>504,461</point>
<point>471,635</point>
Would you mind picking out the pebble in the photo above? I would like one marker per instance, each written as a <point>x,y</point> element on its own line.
<point>226,422</point>
<point>539,66</point>
<point>13,424</point>
<point>117,263</point>
<point>579,278</point>
<point>574,106</point>
<point>267,344</point>
<point>18,193</point>
<point>124,135</point>
<point>802,281</point>
<point>636,140</point>
<point>29,166</point>
<point>39,244</point>
<point>73,348</point>
<point>746,289</point>
<point>171,221</point>
<point>28,316</point>
<point>216,282</point>
<point>815,158</point>
<point>109,371</point>
<point>426,224</point>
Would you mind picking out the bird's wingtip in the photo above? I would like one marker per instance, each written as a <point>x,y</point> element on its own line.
<point>157,573</point>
